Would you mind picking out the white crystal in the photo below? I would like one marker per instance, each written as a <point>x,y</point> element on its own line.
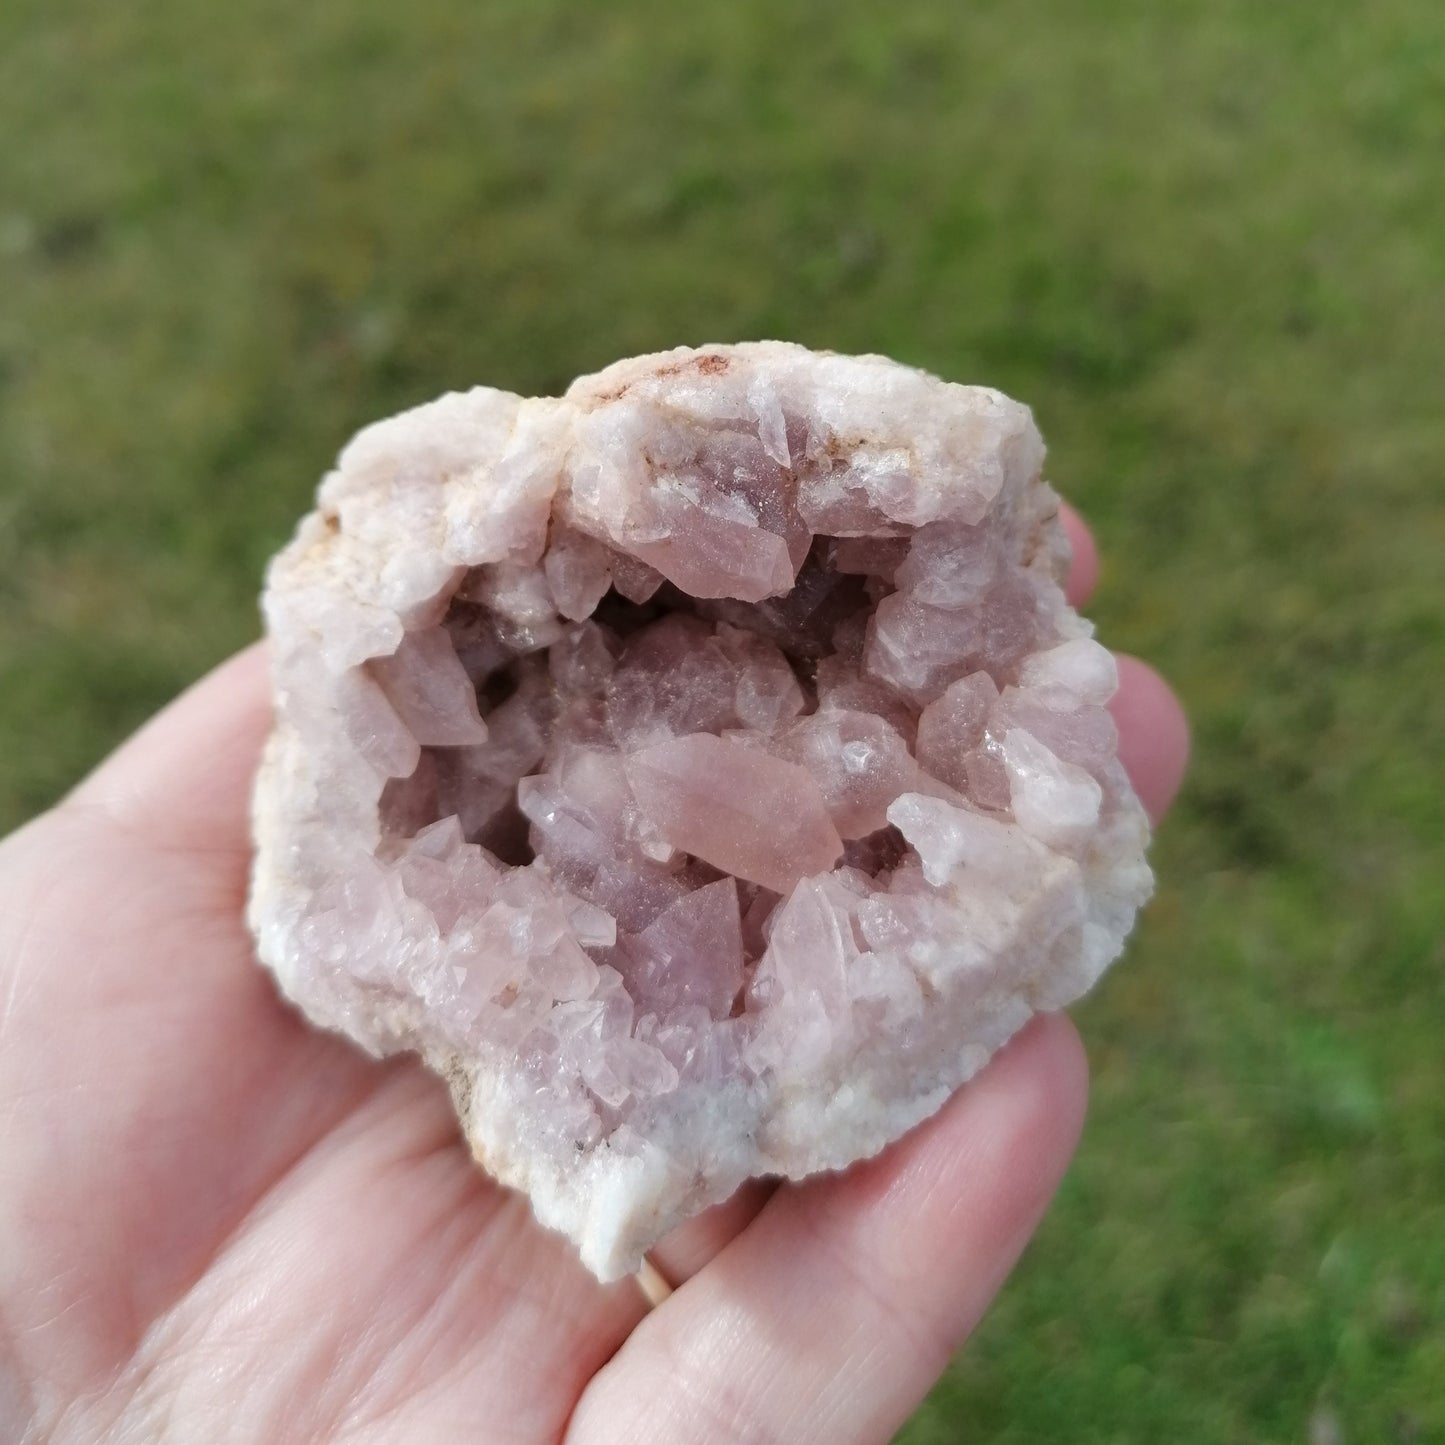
<point>1055,801</point>
<point>1074,672</point>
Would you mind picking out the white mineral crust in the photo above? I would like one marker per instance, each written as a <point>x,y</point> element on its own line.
<point>702,771</point>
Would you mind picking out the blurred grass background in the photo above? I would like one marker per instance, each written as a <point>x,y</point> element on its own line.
<point>1206,241</point>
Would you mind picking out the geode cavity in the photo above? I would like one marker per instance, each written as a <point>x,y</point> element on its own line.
<point>702,771</point>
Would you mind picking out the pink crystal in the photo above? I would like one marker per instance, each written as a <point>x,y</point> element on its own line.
<point>430,690</point>
<point>751,815</point>
<point>858,762</point>
<point>952,725</point>
<point>703,771</point>
<point>691,953</point>
<point>578,572</point>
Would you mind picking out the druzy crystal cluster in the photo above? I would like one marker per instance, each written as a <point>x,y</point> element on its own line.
<point>703,771</point>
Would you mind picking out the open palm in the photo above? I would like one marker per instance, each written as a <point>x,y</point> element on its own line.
<point>217,1224</point>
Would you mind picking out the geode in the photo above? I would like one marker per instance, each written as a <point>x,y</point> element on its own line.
<point>702,771</point>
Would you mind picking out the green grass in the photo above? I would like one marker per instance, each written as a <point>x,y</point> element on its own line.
<point>1205,241</point>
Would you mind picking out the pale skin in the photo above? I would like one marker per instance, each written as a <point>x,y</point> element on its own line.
<point>217,1224</point>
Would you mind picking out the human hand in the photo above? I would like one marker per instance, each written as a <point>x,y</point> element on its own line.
<point>217,1224</point>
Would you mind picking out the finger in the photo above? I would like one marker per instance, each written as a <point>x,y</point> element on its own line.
<point>831,1316</point>
<point>1083,558</point>
<point>184,778</point>
<point>144,1059</point>
<point>1153,734</point>
<point>693,1244</point>
<point>1153,730</point>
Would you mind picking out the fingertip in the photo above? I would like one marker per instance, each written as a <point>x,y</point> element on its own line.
<point>1084,556</point>
<point>1153,729</point>
<point>1153,734</point>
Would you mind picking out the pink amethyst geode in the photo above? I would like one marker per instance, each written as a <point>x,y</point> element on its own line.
<point>702,771</point>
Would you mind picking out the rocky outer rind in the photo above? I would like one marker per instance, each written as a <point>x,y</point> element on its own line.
<point>702,771</point>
